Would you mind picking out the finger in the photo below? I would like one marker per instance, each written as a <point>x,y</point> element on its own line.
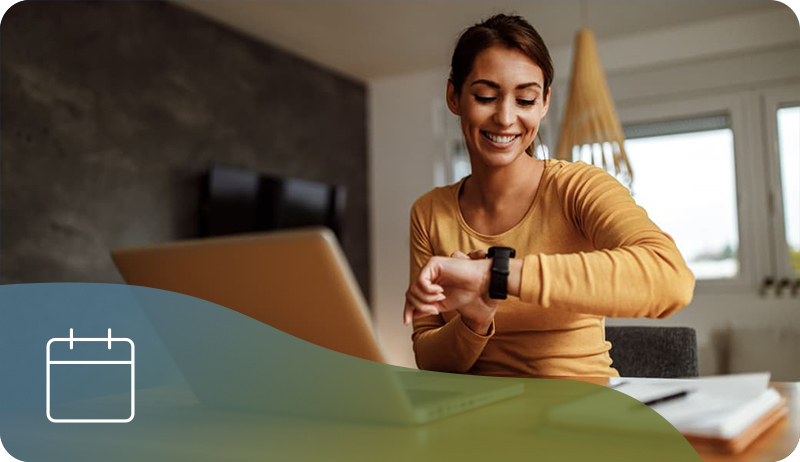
<point>432,308</point>
<point>459,254</point>
<point>478,254</point>
<point>430,273</point>
<point>408,313</point>
<point>431,288</point>
<point>425,281</point>
<point>421,298</point>
<point>417,303</point>
<point>426,310</point>
<point>412,312</point>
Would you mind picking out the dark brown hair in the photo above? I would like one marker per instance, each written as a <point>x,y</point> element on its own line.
<point>512,32</point>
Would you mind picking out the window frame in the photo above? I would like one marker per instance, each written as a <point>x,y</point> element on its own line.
<point>753,253</point>
<point>771,100</point>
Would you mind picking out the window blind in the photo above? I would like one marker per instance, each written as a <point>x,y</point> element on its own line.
<point>674,127</point>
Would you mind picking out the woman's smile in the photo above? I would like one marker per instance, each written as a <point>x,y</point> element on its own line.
<point>498,140</point>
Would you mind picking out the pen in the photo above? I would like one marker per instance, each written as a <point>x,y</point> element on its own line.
<point>663,399</point>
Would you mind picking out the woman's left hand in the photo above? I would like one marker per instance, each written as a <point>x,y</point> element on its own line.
<point>447,284</point>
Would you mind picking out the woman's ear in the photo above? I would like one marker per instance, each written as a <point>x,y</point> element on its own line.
<point>452,99</point>
<point>546,103</point>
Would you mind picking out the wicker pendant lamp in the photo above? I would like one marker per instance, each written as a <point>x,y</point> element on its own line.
<point>590,117</point>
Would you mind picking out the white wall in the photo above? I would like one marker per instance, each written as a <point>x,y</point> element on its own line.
<point>403,155</point>
<point>737,54</point>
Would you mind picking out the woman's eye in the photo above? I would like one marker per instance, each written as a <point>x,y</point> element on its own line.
<point>489,99</point>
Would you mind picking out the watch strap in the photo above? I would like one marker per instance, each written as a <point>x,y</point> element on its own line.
<point>498,283</point>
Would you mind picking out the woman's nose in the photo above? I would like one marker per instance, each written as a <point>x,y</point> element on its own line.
<point>504,116</point>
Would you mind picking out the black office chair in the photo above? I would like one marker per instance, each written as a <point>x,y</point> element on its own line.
<point>666,352</point>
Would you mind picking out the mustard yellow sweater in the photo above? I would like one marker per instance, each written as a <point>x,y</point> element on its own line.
<point>589,252</point>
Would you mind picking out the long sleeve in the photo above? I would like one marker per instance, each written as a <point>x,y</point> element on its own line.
<point>439,345</point>
<point>637,270</point>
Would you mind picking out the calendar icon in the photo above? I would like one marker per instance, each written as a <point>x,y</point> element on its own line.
<point>83,373</point>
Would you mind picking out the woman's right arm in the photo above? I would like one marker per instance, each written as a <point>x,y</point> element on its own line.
<point>439,345</point>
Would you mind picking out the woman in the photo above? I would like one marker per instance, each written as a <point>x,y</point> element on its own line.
<point>585,249</point>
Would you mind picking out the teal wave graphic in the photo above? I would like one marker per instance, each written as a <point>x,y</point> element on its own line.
<point>207,383</point>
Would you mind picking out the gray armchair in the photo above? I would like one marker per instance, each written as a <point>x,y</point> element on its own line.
<point>666,352</point>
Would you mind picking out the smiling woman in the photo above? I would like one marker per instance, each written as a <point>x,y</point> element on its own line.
<point>586,250</point>
<point>498,113</point>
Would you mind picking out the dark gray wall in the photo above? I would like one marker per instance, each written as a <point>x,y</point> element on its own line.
<point>110,112</point>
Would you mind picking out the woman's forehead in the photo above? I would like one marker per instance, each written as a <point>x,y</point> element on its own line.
<point>505,66</point>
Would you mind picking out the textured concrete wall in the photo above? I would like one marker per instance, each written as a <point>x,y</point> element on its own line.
<point>112,111</point>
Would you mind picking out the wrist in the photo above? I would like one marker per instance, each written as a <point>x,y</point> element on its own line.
<point>486,276</point>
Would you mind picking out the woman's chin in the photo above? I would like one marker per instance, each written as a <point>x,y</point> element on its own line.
<point>499,159</point>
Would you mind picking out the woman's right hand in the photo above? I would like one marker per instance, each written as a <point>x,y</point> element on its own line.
<point>461,292</point>
<point>479,313</point>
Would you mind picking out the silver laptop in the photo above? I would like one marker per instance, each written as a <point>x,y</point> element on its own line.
<point>299,283</point>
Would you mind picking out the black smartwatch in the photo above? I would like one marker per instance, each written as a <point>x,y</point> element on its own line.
<point>498,285</point>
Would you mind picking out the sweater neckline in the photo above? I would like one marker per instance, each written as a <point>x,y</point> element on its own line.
<point>531,209</point>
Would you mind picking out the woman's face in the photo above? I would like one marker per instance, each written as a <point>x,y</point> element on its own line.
<point>500,105</point>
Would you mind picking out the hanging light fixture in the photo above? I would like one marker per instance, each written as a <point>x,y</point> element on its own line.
<point>590,119</point>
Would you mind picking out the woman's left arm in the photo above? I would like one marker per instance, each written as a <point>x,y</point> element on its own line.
<point>637,270</point>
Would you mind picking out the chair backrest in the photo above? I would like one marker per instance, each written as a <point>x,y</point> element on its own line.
<point>667,352</point>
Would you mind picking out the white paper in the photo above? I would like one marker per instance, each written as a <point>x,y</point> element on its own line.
<point>735,387</point>
<point>718,406</point>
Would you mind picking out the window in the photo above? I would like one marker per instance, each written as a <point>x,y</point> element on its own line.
<point>721,174</point>
<point>695,173</point>
<point>781,113</point>
<point>671,162</point>
<point>459,161</point>
<point>789,155</point>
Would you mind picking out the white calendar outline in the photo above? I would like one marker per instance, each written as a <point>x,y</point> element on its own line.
<point>108,339</point>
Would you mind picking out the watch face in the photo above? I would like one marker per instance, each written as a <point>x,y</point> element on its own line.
<point>501,252</point>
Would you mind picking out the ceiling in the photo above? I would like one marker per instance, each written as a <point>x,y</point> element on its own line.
<point>373,39</point>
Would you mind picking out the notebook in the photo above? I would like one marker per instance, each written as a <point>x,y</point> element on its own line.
<point>724,413</point>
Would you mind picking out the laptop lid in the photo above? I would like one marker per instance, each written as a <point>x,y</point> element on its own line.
<point>296,281</point>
